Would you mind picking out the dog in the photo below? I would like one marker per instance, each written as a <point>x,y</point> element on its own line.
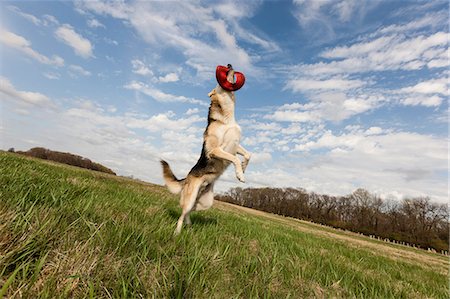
<point>220,148</point>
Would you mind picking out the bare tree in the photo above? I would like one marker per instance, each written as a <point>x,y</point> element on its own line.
<point>415,220</point>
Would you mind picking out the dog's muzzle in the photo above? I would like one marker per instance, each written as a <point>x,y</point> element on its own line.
<point>221,76</point>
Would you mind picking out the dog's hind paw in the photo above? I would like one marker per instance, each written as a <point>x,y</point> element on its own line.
<point>240,177</point>
<point>244,165</point>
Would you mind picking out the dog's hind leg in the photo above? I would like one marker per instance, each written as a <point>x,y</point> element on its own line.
<point>243,152</point>
<point>189,195</point>
<point>187,219</point>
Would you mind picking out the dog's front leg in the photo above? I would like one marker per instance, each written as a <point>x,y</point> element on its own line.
<point>243,152</point>
<point>221,154</point>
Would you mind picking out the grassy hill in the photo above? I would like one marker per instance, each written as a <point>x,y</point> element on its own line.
<point>70,232</point>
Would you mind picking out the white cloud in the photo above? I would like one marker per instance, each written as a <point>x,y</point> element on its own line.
<point>90,130</point>
<point>441,117</point>
<point>428,93</point>
<point>140,68</point>
<point>293,116</point>
<point>352,72</point>
<point>24,97</point>
<point>311,11</point>
<point>328,106</point>
<point>49,19</point>
<point>194,30</point>
<point>359,49</point>
<point>163,121</point>
<point>94,23</point>
<point>434,86</point>
<point>233,12</point>
<point>396,52</point>
<point>430,20</point>
<point>70,37</point>
<point>159,95</point>
<point>26,16</point>
<point>389,146</point>
<point>111,41</point>
<point>377,159</point>
<point>373,131</point>
<point>106,139</point>
<point>427,101</point>
<point>346,9</point>
<point>52,76</point>
<point>353,106</point>
<point>258,158</point>
<point>23,45</point>
<point>46,20</point>
<point>191,111</point>
<point>328,140</point>
<point>119,9</point>
<point>297,85</point>
<point>261,126</point>
<point>292,129</point>
<point>263,136</point>
<point>171,77</point>
<point>388,49</point>
<point>321,18</point>
<point>438,63</point>
<point>79,70</point>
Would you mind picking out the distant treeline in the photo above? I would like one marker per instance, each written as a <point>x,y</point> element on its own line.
<point>66,158</point>
<point>416,220</point>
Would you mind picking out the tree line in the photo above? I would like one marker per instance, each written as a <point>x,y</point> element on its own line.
<point>66,158</point>
<point>416,221</point>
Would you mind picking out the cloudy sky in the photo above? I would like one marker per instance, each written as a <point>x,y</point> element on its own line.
<point>339,94</point>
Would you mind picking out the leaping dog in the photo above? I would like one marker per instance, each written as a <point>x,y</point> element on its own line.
<point>220,148</point>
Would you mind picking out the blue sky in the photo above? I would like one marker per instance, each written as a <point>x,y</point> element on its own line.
<point>339,94</point>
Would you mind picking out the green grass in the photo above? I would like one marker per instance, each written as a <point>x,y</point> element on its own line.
<point>69,232</point>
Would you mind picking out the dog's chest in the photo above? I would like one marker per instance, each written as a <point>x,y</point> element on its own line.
<point>230,135</point>
<point>225,127</point>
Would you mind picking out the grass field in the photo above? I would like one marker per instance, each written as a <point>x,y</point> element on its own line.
<point>69,232</point>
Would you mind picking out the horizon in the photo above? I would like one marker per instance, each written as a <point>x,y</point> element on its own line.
<point>339,95</point>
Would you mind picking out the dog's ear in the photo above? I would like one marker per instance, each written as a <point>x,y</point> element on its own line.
<point>213,92</point>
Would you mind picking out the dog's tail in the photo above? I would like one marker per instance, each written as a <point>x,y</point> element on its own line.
<point>173,184</point>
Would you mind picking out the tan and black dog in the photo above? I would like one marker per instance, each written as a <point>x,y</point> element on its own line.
<point>220,148</point>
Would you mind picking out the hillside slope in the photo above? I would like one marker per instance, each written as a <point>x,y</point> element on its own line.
<point>69,232</point>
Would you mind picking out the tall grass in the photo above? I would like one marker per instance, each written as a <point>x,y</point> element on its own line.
<point>69,232</point>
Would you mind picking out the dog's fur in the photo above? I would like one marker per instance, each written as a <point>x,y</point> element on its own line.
<point>220,146</point>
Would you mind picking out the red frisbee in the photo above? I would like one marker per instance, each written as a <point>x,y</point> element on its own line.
<point>221,76</point>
